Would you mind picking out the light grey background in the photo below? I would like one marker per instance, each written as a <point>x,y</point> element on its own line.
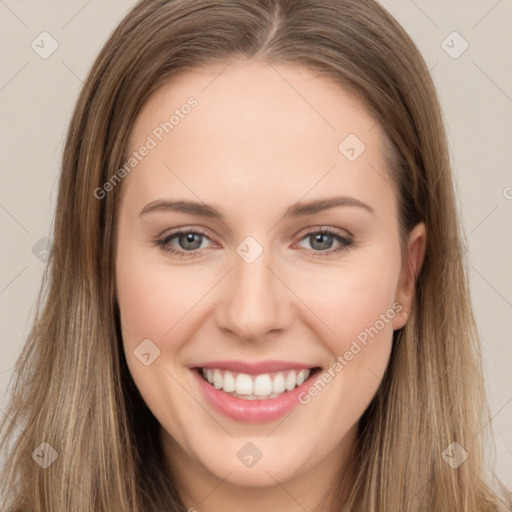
<point>37,97</point>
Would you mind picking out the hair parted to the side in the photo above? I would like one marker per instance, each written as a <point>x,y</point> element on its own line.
<point>72,388</point>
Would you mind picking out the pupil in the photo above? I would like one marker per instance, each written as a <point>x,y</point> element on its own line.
<point>187,241</point>
<point>327,241</point>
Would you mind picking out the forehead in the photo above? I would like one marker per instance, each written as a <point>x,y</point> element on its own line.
<point>256,129</point>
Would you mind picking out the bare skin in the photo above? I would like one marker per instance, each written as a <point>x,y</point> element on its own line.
<point>260,139</point>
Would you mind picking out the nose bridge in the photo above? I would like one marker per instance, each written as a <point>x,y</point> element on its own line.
<point>256,302</point>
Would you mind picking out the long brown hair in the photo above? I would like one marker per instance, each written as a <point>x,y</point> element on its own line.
<point>71,387</point>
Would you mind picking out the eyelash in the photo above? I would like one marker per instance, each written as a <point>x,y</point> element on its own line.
<point>346,243</point>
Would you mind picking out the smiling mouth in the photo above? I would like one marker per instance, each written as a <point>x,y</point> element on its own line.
<point>262,386</point>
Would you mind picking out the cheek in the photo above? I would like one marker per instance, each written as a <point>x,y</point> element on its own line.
<point>357,306</point>
<point>350,300</point>
<point>153,302</point>
<point>153,299</point>
<point>142,308</point>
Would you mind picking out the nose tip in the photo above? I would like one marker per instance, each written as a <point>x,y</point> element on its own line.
<point>254,302</point>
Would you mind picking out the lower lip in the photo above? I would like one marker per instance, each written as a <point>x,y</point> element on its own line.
<point>251,411</point>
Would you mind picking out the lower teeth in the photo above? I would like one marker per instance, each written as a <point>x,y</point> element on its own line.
<point>254,397</point>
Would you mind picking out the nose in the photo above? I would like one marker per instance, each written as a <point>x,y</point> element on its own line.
<point>255,303</point>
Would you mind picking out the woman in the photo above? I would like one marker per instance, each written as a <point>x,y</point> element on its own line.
<point>249,303</point>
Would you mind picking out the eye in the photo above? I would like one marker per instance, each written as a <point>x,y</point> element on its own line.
<point>321,241</point>
<point>189,243</point>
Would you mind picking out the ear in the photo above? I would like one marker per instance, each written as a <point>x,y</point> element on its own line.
<point>410,269</point>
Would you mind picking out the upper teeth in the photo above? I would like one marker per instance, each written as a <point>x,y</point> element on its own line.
<point>266,385</point>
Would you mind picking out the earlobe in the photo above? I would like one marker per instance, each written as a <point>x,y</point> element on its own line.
<point>416,246</point>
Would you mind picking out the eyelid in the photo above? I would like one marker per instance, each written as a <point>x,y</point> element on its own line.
<point>344,233</point>
<point>173,231</point>
<point>301,234</point>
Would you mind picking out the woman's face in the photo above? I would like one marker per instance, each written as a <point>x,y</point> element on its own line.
<point>258,246</point>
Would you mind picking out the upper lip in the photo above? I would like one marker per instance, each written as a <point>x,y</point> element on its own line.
<point>254,368</point>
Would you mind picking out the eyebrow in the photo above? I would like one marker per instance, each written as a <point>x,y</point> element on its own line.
<point>296,210</point>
